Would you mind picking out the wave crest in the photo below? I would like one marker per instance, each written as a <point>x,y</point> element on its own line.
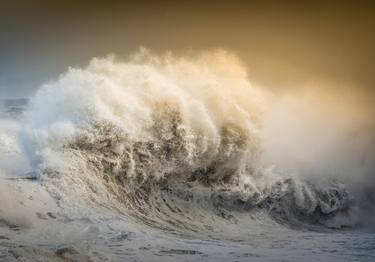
<point>154,128</point>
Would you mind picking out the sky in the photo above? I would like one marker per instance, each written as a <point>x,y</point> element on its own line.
<point>285,45</point>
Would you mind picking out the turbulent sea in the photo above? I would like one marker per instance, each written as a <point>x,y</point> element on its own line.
<point>162,159</point>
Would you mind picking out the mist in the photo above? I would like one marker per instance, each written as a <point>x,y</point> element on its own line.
<point>322,136</point>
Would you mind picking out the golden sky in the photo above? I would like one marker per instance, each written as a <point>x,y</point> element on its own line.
<point>284,44</point>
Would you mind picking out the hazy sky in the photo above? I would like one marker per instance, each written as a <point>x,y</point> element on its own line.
<point>284,44</point>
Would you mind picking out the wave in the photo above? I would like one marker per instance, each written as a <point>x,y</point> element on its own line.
<point>172,142</point>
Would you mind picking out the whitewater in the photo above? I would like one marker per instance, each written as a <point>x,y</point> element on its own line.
<point>167,157</point>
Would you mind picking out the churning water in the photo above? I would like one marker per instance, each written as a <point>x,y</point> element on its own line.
<point>162,159</point>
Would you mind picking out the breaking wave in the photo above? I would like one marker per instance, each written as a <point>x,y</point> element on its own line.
<point>171,142</point>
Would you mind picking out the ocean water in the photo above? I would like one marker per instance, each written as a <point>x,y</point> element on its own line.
<point>162,159</point>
